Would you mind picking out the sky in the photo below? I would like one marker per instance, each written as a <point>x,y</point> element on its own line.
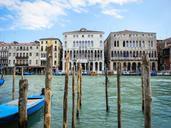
<point>30,20</point>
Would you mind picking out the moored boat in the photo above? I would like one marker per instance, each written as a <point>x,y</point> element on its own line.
<point>9,111</point>
<point>27,73</point>
<point>2,81</point>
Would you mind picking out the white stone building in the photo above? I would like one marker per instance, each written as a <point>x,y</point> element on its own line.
<point>128,47</point>
<point>23,54</point>
<point>86,47</point>
<point>20,54</point>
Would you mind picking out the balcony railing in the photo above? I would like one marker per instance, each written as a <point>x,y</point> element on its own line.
<point>21,57</point>
<point>21,64</point>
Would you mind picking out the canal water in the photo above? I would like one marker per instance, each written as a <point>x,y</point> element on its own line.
<point>93,114</point>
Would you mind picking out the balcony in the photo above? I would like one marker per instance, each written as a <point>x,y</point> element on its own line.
<point>3,57</point>
<point>21,57</point>
<point>17,64</point>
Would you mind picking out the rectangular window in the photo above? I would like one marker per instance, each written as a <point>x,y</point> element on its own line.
<point>123,43</point>
<point>55,48</point>
<point>114,43</point>
<point>117,43</point>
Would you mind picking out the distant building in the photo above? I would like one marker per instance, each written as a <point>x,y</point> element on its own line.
<point>31,55</point>
<point>57,46</point>
<point>167,54</point>
<point>85,47</point>
<point>128,47</point>
<point>160,47</point>
<point>23,54</point>
<point>3,54</point>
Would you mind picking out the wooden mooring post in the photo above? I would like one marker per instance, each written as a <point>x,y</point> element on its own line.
<point>142,91</point>
<point>22,103</point>
<point>73,97</point>
<point>80,86</point>
<point>106,89</point>
<point>119,96</point>
<point>147,91</point>
<point>48,80</point>
<point>22,71</point>
<point>65,99</point>
<point>13,84</point>
<point>78,91</point>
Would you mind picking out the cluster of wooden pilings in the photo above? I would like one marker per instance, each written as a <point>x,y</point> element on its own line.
<point>77,93</point>
<point>23,89</point>
<point>146,92</point>
<point>75,106</point>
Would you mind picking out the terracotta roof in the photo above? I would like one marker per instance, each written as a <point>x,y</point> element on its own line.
<point>19,44</point>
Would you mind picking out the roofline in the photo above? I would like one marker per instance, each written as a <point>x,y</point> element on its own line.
<point>49,39</point>
<point>83,30</point>
<point>131,31</point>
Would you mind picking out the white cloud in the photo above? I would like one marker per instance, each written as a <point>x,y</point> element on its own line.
<point>39,14</point>
<point>113,12</point>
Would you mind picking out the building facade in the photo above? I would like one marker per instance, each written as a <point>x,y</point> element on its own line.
<point>160,47</point>
<point>167,54</point>
<point>3,54</point>
<point>57,46</point>
<point>85,47</point>
<point>31,55</point>
<point>23,54</point>
<point>127,47</point>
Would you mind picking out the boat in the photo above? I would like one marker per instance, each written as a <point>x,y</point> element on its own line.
<point>126,73</point>
<point>9,111</point>
<point>58,73</point>
<point>27,73</point>
<point>2,81</point>
<point>93,73</point>
<point>153,73</point>
<point>84,73</point>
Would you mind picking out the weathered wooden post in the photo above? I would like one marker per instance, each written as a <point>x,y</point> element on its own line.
<point>119,95</point>
<point>147,91</point>
<point>13,83</point>
<point>106,90</point>
<point>22,103</point>
<point>65,99</point>
<point>48,79</point>
<point>78,91</point>
<point>80,86</point>
<point>142,87</point>
<point>22,70</point>
<point>73,97</point>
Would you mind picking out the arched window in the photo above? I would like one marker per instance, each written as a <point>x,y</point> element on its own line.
<point>100,64</point>
<point>130,43</point>
<point>92,43</point>
<point>118,54</point>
